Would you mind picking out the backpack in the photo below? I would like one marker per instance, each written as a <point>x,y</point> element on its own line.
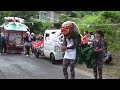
<point>108,58</point>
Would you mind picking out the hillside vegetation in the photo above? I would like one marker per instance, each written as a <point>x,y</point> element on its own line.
<point>108,22</point>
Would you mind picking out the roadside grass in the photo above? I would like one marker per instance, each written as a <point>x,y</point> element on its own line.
<point>110,71</point>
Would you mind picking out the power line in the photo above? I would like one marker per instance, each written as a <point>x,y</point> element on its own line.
<point>85,24</point>
<point>99,24</point>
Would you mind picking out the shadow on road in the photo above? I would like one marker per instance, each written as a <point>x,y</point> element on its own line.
<point>58,62</point>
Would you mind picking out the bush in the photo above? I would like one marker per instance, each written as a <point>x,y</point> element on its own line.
<point>63,18</point>
<point>112,32</point>
<point>114,16</point>
<point>47,25</point>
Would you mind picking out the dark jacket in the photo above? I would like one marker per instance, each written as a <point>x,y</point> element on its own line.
<point>27,42</point>
<point>101,47</point>
<point>33,39</point>
<point>4,40</point>
<point>26,39</point>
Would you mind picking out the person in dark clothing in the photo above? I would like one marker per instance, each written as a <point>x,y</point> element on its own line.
<point>3,43</point>
<point>105,42</point>
<point>27,40</point>
<point>98,45</point>
<point>33,39</point>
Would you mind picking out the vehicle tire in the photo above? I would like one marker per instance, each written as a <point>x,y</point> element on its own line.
<point>42,54</point>
<point>34,51</point>
<point>36,54</point>
<point>52,57</point>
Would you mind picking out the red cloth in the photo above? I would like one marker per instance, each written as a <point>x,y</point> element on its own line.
<point>38,44</point>
<point>85,39</point>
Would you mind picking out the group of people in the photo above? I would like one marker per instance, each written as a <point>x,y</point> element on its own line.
<point>69,47</point>
<point>87,41</point>
<point>28,39</point>
<point>96,41</point>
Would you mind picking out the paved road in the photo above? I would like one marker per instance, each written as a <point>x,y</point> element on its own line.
<point>16,66</point>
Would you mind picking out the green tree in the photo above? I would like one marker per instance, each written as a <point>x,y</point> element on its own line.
<point>63,18</point>
<point>39,26</point>
<point>78,14</point>
<point>24,14</point>
<point>4,14</point>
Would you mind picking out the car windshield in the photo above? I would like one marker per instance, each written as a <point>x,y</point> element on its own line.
<point>53,32</point>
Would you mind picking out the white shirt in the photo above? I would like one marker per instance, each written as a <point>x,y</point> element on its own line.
<point>91,38</point>
<point>70,53</point>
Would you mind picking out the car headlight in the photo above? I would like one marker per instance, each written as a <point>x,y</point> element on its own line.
<point>57,49</point>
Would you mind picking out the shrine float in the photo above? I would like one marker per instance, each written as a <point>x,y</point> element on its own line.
<point>14,29</point>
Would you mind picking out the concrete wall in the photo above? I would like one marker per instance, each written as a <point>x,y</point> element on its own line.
<point>51,16</point>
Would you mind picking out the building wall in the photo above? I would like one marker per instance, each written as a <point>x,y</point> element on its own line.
<point>47,16</point>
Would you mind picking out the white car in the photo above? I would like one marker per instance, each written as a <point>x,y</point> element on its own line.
<point>52,42</point>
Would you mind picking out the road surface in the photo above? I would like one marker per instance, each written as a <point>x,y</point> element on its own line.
<point>18,66</point>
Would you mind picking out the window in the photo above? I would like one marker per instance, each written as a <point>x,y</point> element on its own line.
<point>43,16</point>
<point>47,37</point>
<point>36,16</point>
<point>53,32</point>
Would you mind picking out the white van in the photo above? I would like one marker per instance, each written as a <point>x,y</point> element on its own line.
<point>52,44</point>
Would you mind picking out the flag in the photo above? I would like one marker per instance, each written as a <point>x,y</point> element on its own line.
<point>38,44</point>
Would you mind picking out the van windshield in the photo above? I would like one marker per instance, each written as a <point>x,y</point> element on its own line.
<point>53,32</point>
<point>47,35</point>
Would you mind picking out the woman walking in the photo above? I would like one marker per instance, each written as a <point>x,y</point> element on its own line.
<point>27,40</point>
